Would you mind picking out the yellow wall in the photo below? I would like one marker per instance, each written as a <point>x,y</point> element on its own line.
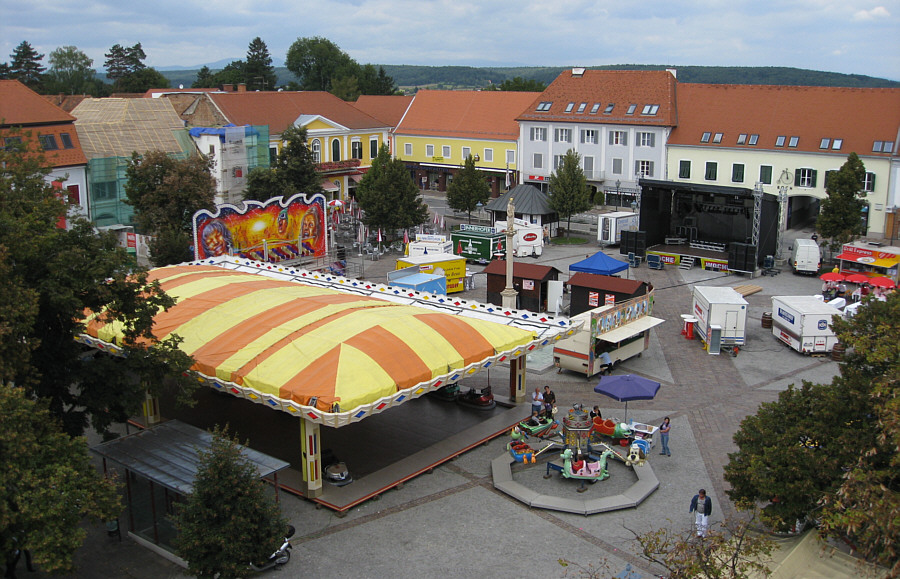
<point>456,158</point>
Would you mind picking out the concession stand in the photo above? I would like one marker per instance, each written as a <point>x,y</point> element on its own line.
<point>589,290</point>
<point>870,259</point>
<point>530,280</point>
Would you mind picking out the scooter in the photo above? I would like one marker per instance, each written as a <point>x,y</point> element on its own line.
<point>279,557</point>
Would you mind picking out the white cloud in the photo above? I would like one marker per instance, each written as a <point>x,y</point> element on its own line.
<point>873,14</point>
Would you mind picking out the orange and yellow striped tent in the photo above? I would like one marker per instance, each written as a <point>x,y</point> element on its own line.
<point>315,350</point>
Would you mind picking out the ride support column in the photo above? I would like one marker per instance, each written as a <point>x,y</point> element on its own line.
<point>312,458</point>
<point>517,379</point>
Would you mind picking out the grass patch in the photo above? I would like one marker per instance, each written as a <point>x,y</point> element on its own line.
<point>573,240</point>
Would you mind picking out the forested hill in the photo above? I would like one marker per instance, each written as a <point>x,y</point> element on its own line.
<point>409,77</point>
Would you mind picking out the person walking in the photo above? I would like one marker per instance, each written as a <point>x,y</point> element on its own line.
<point>702,505</point>
<point>549,401</point>
<point>537,401</point>
<point>664,429</point>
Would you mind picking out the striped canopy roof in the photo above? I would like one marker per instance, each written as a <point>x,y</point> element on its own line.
<point>315,350</point>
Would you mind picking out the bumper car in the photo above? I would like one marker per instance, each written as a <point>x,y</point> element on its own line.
<point>478,398</point>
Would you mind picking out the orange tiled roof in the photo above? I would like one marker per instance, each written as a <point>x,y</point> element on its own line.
<point>20,106</point>
<point>279,110</point>
<point>859,116</point>
<point>386,108</point>
<point>66,102</point>
<point>465,114</point>
<point>621,88</point>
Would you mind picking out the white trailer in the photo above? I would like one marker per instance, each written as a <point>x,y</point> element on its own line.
<point>804,323</point>
<point>721,314</point>
<point>528,240</point>
<point>611,225</point>
<point>430,245</point>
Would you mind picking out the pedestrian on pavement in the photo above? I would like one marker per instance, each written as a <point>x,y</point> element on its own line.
<point>702,505</point>
<point>549,401</point>
<point>595,413</point>
<point>537,401</point>
<point>664,429</point>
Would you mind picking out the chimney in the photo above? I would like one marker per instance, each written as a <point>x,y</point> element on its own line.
<point>228,87</point>
<point>673,72</point>
<point>242,87</point>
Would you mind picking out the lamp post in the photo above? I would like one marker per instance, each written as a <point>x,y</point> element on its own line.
<point>617,193</point>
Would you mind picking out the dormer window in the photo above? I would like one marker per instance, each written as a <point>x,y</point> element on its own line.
<point>631,109</point>
<point>569,107</point>
<point>650,110</point>
<point>836,144</point>
<point>779,141</point>
<point>705,137</point>
<point>581,107</point>
<point>544,106</point>
<point>717,138</point>
<point>595,108</point>
<point>753,140</point>
<point>742,139</point>
<point>609,108</point>
<point>793,142</point>
<point>824,143</point>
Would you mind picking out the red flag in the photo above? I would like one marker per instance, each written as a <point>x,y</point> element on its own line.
<point>405,236</point>
<point>459,248</point>
<point>499,245</point>
<point>379,235</point>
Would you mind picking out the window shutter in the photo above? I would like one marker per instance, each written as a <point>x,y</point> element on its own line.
<point>624,138</point>
<point>797,178</point>
<point>813,179</point>
<point>611,133</point>
<point>871,181</point>
<point>637,168</point>
<point>652,139</point>
<point>650,174</point>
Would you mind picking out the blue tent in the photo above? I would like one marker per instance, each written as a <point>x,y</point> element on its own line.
<point>599,263</point>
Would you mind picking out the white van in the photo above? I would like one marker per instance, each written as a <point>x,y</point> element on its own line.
<point>806,257</point>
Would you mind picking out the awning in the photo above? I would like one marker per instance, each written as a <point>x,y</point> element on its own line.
<point>867,260</point>
<point>329,186</point>
<point>629,330</point>
<point>167,454</point>
<point>356,178</point>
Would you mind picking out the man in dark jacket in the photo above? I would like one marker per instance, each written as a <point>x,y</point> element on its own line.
<point>702,505</point>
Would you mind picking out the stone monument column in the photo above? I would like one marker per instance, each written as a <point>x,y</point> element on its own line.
<point>509,293</point>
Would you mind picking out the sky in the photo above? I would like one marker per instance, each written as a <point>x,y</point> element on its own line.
<point>846,36</point>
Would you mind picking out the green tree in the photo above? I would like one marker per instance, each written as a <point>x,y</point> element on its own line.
<point>372,82</point>
<point>317,61</point>
<point>165,193</point>
<point>294,170</point>
<point>205,79</point>
<point>866,507</point>
<point>25,66</point>
<point>519,84</point>
<point>840,217</point>
<point>468,188</point>
<point>569,191</point>
<point>388,195</point>
<point>47,485</point>
<point>125,67</point>
<point>68,274</point>
<point>228,521</point>
<point>233,74</point>
<point>258,69</point>
<point>70,72</point>
<point>345,88</point>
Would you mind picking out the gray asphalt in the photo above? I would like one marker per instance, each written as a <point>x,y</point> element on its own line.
<point>453,523</point>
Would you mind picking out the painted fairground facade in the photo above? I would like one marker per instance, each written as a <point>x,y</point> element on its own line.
<point>274,231</point>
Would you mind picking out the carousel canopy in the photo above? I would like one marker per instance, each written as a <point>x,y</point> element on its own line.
<point>332,349</point>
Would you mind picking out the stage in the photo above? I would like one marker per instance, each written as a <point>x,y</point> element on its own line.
<point>676,254</point>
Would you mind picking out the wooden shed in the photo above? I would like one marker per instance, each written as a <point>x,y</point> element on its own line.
<point>529,279</point>
<point>590,290</point>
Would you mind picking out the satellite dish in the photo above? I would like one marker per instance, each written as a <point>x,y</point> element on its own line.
<point>181,86</point>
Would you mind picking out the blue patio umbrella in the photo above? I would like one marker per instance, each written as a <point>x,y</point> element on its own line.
<point>625,387</point>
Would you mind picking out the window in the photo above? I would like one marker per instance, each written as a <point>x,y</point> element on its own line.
<point>103,191</point>
<point>429,150</point>
<point>705,137</point>
<point>589,136</point>
<point>373,148</point>
<point>617,166</point>
<point>74,194</point>
<point>609,108</point>
<point>66,141</point>
<point>489,155</point>
<point>569,107</point>
<point>581,107</point>
<point>562,135</point>
<point>650,109</point>
<point>317,151</point>
<point>742,139</point>
<point>510,156</point>
<point>618,138</point>
<point>12,142</point>
<point>588,166</point>
<point>836,144</point>
<point>805,178</point>
<point>824,143</point>
<point>737,173</point>
<point>643,168</point>
<point>869,182</point>
<point>445,151</point>
<point>684,169</point>
<point>356,149</point>
<point>466,152</point>
<point>407,149</point>
<point>793,142</point>
<point>828,176</point>
<point>765,174</point>
<point>538,161</point>
<point>712,170</point>
<point>595,108</point>
<point>48,142</point>
<point>753,140</point>
<point>779,141</point>
<point>717,138</point>
<point>630,110</point>
<point>557,162</point>
<point>646,139</point>
<point>336,150</point>
<point>544,106</point>
<point>883,147</point>
<point>538,134</point>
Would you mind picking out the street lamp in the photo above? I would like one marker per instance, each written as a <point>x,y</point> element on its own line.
<point>617,193</point>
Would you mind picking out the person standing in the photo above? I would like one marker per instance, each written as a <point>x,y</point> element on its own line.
<point>537,401</point>
<point>702,505</point>
<point>664,429</point>
<point>549,401</point>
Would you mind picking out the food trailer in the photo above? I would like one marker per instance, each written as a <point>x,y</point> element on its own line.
<point>451,266</point>
<point>804,323</point>
<point>528,240</point>
<point>611,225</point>
<point>426,244</point>
<point>609,335</point>
<point>721,314</point>
<point>477,242</point>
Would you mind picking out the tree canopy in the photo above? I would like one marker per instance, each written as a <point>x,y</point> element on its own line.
<point>569,191</point>
<point>320,64</point>
<point>25,66</point>
<point>840,216</point>
<point>228,521</point>
<point>468,188</point>
<point>519,84</point>
<point>71,72</point>
<point>294,170</point>
<point>125,67</point>
<point>258,69</point>
<point>388,195</point>
<point>47,484</point>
